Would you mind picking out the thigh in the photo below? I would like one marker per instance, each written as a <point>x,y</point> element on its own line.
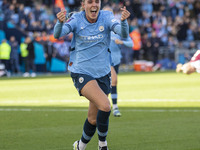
<point>94,94</point>
<point>80,80</point>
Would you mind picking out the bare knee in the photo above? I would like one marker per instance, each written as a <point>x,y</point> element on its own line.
<point>92,120</point>
<point>105,107</point>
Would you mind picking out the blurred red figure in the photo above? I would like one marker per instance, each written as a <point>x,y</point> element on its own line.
<point>192,66</point>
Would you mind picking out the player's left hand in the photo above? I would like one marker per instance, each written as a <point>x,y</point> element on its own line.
<point>125,14</point>
<point>117,41</point>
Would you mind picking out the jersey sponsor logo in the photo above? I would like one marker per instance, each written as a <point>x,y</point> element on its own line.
<point>92,38</point>
<point>81,79</point>
<point>101,28</point>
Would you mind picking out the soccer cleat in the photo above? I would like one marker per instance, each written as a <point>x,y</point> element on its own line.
<point>33,74</point>
<point>103,148</point>
<point>76,145</point>
<point>116,112</point>
<point>26,74</point>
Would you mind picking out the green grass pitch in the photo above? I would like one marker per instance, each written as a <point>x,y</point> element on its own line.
<point>160,111</point>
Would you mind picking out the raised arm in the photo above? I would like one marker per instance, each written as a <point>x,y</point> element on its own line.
<point>60,29</point>
<point>123,29</point>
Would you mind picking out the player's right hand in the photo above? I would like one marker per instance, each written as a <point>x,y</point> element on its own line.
<point>61,16</point>
<point>125,13</point>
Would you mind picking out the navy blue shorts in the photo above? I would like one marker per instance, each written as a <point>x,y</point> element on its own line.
<point>80,80</point>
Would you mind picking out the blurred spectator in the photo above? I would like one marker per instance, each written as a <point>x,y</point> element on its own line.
<point>146,47</point>
<point>182,27</point>
<point>5,51</point>
<point>31,57</point>
<point>23,24</point>
<point>137,43</point>
<point>5,5</point>
<point>172,42</point>
<point>147,6</point>
<point>9,13</point>
<point>137,8</point>
<point>48,27</point>
<point>37,13</point>
<point>21,13</point>
<point>24,55</point>
<point>155,44</point>
<point>14,56</point>
<point>49,53</point>
<point>30,21</point>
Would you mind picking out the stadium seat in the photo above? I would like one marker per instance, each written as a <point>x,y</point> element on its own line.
<point>58,65</point>
<point>39,54</point>
<point>10,25</point>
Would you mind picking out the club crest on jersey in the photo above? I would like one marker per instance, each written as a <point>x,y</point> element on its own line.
<point>114,20</point>
<point>101,28</point>
<point>81,79</point>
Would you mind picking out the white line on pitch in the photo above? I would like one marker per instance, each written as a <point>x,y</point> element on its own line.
<point>86,101</point>
<point>82,110</point>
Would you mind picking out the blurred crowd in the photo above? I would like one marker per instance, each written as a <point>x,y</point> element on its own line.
<point>153,24</point>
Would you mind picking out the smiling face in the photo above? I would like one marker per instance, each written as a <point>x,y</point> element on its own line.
<point>91,8</point>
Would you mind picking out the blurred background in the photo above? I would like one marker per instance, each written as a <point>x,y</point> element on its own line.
<point>165,32</point>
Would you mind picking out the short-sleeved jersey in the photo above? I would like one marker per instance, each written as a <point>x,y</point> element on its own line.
<point>195,61</point>
<point>116,48</point>
<point>90,44</point>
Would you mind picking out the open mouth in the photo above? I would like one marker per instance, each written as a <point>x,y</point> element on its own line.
<point>94,12</point>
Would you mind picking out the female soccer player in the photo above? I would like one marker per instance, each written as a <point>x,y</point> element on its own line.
<point>192,66</point>
<point>115,48</point>
<point>90,62</point>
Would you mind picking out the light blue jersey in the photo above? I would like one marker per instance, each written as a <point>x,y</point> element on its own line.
<point>90,42</point>
<point>116,48</point>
